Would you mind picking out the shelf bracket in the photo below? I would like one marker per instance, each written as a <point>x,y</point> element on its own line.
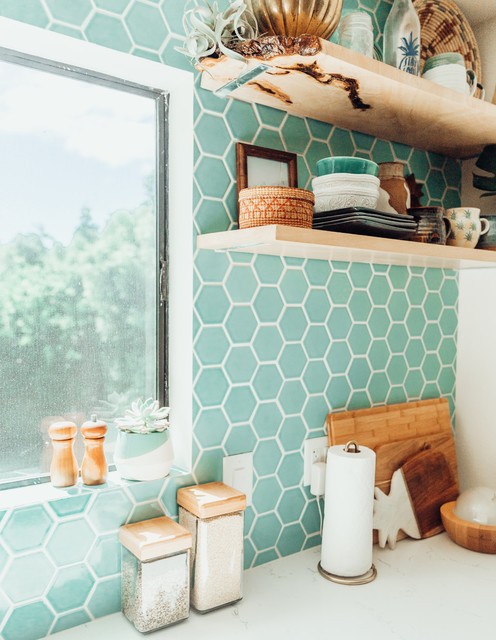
<point>242,79</point>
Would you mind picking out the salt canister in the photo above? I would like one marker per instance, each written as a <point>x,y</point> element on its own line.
<point>155,573</point>
<point>213,513</point>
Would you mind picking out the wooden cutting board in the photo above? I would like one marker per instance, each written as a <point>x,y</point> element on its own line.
<point>390,423</point>
<point>393,455</point>
<point>418,489</point>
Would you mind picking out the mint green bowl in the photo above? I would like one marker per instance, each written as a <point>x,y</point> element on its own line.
<point>346,164</point>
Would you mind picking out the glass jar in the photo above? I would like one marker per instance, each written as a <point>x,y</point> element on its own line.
<point>213,513</point>
<point>155,573</point>
<point>402,37</point>
<point>356,33</point>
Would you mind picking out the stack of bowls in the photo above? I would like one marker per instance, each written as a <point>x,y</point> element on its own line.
<point>344,182</point>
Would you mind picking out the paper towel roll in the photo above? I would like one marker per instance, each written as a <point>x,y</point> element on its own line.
<point>349,505</point>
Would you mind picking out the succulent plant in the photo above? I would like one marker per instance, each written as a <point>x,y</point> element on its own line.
<point>209,30</point>
<point>144,417</point>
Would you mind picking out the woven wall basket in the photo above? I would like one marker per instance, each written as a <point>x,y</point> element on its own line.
<point>275,205</point>
<point>444,28</point>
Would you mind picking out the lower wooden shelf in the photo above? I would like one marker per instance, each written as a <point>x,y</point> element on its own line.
<point>287,241</point>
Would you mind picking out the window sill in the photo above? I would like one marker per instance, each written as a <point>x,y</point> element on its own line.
<point>39,493</point>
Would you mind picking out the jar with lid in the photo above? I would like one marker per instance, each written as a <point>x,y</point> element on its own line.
<point>213,513</point>
<point>155,573</point>
<point>356,33</point>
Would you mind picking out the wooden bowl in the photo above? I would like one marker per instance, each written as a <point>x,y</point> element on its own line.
<point>471,535</point>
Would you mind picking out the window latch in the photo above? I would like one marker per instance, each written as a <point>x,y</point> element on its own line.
<point>163,280</point>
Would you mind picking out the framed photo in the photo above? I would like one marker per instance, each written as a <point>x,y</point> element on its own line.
<point>262,167</point>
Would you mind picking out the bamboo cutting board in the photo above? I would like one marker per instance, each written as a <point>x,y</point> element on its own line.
<point>379,425</point>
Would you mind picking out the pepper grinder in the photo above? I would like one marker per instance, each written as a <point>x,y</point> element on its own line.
<point>64,467</point>
<point>94,467</point>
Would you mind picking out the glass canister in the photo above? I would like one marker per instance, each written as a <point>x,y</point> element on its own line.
<point>213,513</point>
<point>155,573</point>
<point>356,33</point>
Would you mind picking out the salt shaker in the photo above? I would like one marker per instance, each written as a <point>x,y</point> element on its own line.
<point>155,573</point>
<point>94,467</point>
<point>64,466</point>
<point>356,33</point>
<point>213,513</point>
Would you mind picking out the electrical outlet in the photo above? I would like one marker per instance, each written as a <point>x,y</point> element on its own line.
<point>315,451</point>
<point>237,472</point>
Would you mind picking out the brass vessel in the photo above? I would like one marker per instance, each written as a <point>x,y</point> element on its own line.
<point>296,17</point>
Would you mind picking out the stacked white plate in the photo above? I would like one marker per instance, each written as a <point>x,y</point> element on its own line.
<point>342,190</point>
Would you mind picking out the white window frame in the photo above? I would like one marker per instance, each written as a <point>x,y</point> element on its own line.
<point>26,39</point>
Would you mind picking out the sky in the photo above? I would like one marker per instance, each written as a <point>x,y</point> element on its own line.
<point>66,145</point>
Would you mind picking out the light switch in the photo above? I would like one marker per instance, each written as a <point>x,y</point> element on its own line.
<point>237,472</point>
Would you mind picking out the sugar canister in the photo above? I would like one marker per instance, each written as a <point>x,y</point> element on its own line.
<point>213,513</point>
<point>155,573</point>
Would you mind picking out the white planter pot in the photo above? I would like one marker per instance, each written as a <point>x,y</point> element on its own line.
<point>143,456</point>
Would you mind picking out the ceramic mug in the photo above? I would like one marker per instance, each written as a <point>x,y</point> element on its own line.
<point>466,226</point>
<point>453,76</point>
<point>432,225</point>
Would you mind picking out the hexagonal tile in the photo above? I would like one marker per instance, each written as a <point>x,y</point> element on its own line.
<point>415,322</point>
<point>396,395</point>
<point>240,403</point>
<point>338,357</point>
<point>378,354</point>
<point>292,434</point>
<point>268,268</point>
<point>382,151</point>
<point>241,364</point>
<point>415,352</point>
<point>212,304</point>
<point>339,323</point>
<point>398,306</point>
<point>315,377</point>
<point>378,387</point>
<point>265,531</point>
<point>290,472</point>
<point>266,494</point>
<point>28,622</point>
<point>27,577</point>
<point>339,288</point>
<point>448,322</point>
<point>70,506</point>
<point>241,284</point>
<point>431,366</point>
<point>29,11</point>
<point>360,306</point>
<point>212,216</point>
<point>212,177</point>
<point>109,32</point>
<point>315,152</point>
<point>414,383</point>
<point>267,343</point>
<point>341,142</point>
<point>416,290</point>
<point>109,511</point>
<point>398,276</point>
<point>316,341</point>
<point>72,13</point>
<point>315,412</point>
<point>291,539</point>
<point>69,620</point>
<point>241,439</point>
<point>397,369</point>
<point>212,345</point>
<point>359,339</point>
<point>105,557</point>
<point>211,427</point>
<point>318,129</point>
<point>106,598</point>
<point>379,289</point>
<point>241,324</point>
<point>446,380</point>
<point>317,305</point>
<point>293,323</point>
<point>212,134</point>
<point>291,505</point>
<point>419,164</point>
<point>311,518</point>
<point>26,528</point>
<point>241,119</point>
<point>433,306</point>
<point>267,382</point>
<point>449,292</point>
<point>292,397</point>
<point>431,336</point>
<point>436,184</point>
<point>397,338</point>
<point>71,587</point>
<point>146,25</point>
<point>268,304</point>
<point>267,419</point>
<point>211,386</point>
<point>266,458</point>
<point>359,373</point>
<point>292,360</point>
<point>72,539</point>
<point>293,286</point>
<point>360,274</point>
<point>447,351</point>
<point>270,139</point>
<point>338,392</point>
<point>295,134</point>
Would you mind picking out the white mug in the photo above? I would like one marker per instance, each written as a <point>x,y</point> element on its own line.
<point>453,76</point>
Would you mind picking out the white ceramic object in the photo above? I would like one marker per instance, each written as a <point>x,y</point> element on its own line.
<point>143,456</point>
<point>343,190</point>
<point>466,226</point>
<point>477,505</point>
<point>453,76</point>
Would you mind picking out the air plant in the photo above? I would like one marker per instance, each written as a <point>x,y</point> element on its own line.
<point>144,417</point>
<point>210,31</point>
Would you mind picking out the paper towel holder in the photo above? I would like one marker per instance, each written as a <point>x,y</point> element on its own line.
<point>352,443</point>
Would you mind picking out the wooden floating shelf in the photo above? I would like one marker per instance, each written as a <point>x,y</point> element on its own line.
<point>279,240</point>
<point>352,91</point>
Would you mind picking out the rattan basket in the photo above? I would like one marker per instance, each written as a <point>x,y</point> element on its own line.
<point>444,29</point>
<point>259,206</point>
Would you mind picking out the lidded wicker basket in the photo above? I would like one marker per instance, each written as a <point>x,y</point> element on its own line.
<point>260,206</point>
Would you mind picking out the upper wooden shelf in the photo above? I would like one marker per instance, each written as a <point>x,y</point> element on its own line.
<point>330,83</point>
<point>281,240</point>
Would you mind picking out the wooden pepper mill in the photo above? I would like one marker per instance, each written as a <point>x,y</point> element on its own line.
<point>64,467</point>
<point>94,467</point>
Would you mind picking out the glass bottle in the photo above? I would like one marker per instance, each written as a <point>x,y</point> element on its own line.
<point>402,37</point>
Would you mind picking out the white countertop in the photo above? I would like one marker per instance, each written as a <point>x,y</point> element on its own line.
<point>425,590</point>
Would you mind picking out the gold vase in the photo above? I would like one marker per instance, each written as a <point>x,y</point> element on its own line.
<point>296,17</point>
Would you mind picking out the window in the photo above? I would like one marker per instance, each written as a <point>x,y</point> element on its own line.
<point>82,240</point>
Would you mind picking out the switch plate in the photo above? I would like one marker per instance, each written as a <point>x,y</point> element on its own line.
<point>315,451</point>
<point>237,472</point>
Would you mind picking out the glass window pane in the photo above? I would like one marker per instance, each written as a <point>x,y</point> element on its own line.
<point>77,257</point>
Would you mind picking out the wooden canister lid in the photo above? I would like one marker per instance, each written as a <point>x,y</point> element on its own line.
<point>212,499</point>
<point>154,538</point>
<point>62,430</point>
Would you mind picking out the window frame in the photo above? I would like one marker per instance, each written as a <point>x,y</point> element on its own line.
<point>173,88</point>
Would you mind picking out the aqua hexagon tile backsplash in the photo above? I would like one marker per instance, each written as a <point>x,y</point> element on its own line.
<point>277,342</point>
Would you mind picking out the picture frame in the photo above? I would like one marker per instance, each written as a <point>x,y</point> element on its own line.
<point>261,166</point>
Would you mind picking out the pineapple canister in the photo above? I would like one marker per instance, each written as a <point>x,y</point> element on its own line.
<point>213,513</point>
<point>155,573</point>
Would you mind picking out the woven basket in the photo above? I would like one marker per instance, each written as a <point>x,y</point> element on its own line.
<point>443,29</point>
<point>259,206</point>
